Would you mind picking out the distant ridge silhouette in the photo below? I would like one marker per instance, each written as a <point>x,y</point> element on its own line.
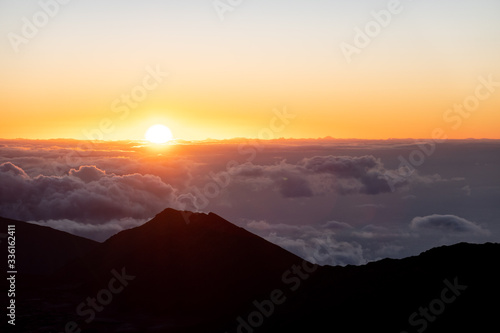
<point>42,250</point>
<point>196,272</point>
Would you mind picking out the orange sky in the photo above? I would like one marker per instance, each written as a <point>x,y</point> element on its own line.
<point>225,78</point>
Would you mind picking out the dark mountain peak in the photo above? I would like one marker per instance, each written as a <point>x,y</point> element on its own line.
<point>172,218</point>
<point>171,215</point>
<point>177,217</point>
<point>186,237</point>
<point>173,224</point>
<point>197,272</point>
<point>189,261</point>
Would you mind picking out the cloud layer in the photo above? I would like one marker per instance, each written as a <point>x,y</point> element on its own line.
<point>87,194</point>
<point>329,201</point>
<point>339,243</point>
<point>320,174</point>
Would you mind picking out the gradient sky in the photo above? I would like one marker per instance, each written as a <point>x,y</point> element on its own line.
<point>226,76</point>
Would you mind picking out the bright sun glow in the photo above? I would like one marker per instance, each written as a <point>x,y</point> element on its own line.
<point>158,134</point>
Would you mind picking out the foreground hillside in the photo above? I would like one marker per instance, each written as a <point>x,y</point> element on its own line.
<point>192,272</point>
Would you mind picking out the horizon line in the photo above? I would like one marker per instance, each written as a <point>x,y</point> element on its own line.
<point>181,140</point>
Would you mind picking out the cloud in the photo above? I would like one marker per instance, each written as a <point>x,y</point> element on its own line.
<point>319,244</point>
<point>12,171</point>
<point>294,187</point>
<point>447,224</point>
<point>323,250</point>
<point>58,157</point>
<point>259,225</point>
<point>334,225</point>
<point>88,173</point>
<point>97,232</point>
<point>321,174</point>
<point>371,206</point>
<point>296,192</point>
<point>289,181</point>
<point>342,166</point>
<point>189,166</point>
<point>87,194</point>
<point>341,243</point>
<point>467,190</point>
<point>364,174</point>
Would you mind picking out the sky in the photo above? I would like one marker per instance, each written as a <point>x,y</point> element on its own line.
<point>218,69</point>
<point>343,131</point>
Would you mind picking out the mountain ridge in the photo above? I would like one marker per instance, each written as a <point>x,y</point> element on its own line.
<point>47,258</point>
<point>205,274</point>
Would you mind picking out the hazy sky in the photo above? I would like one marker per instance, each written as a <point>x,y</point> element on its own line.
<point>229,67</point>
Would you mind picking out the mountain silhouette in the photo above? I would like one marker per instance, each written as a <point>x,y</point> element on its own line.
<point>185,266</point>
<point>196,272</point>
<point>42,250</point>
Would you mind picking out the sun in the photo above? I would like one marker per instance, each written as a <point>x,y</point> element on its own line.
<point>158,134</point>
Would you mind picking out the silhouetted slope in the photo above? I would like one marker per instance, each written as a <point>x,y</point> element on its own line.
<point>381,296</point>
<point>43,250</point>
<point>204,274</point>
<point>204,267</point>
